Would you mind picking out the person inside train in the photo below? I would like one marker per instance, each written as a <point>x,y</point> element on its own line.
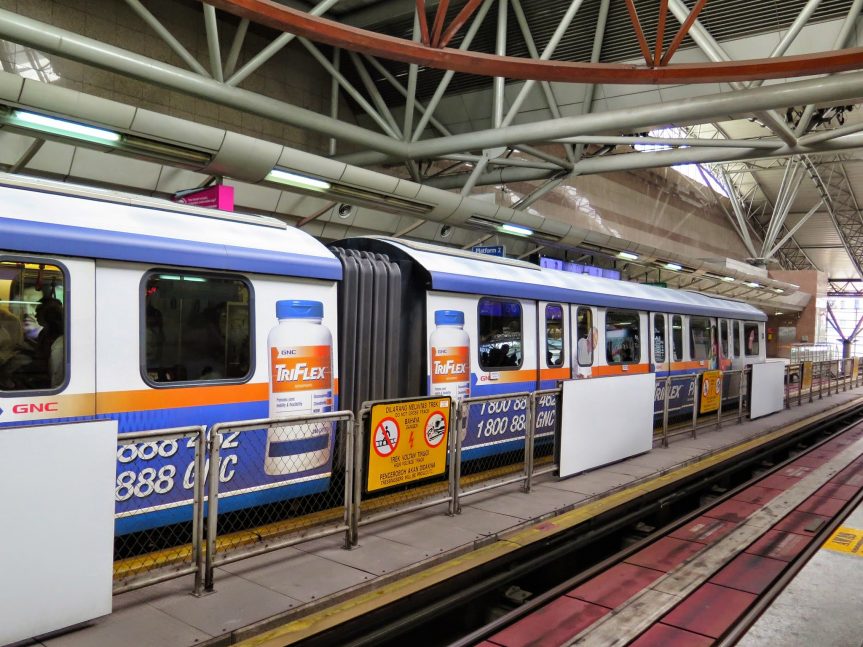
<point>50,344</point>
<point>15,356</point>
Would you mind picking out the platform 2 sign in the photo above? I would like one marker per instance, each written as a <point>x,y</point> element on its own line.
<point>711,391</point>
<point>408,441</point>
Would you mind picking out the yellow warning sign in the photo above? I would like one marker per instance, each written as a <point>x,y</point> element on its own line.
<point>408,441</point>
<point>711,391</point>
<point>846,540</point>
<point>806,380</point>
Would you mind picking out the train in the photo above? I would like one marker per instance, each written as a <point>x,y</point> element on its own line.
<point>157,314</point>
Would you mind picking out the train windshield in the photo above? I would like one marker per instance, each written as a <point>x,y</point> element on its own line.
<point>33,325</point>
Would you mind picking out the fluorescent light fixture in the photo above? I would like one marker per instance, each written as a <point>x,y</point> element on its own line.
<point>177,277</point>
<point>674,267</point>
<point>516,230</point>
<point>752,284</point>
<point>728,279</point>
<point>778,290</point>
<point>299,181</point>
<point>628,256</point>
<point>55,126</point>
<point>779,313</point>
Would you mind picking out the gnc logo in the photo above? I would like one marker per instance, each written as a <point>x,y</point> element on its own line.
<point>36,407</point>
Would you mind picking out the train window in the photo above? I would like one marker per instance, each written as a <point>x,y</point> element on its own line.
<point>750,334</point>
<point>659,339</point>
<point>554,346</point>
<point>197,327</point>
<point>677,338</point>
<point>33,326</point>
<point>737,339</point>
<point>723,337</point>
<point>700,335</point>
<point>587,335</point>
<point>500,341</point>
<point>622,345</point>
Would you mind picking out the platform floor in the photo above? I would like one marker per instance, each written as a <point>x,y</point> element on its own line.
<point>317,579</point>
<point>823,604</point>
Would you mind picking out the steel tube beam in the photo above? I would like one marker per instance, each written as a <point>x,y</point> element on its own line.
<point>339,35</point>
<point>793,230</point>
<point>547,53</point>
<point>715,53</point>
<point>447,77</point>
<point>500,50</point>
<point>503,161</point>
<point>795,28</point>
<point>167,36</point>
<point>273,48</point>
<point>411,96</point>
<point>393,81</point>
<point>766,144</point>
<point>381,105</point>
<point>635,161</point>
<point>64,43</point>
<point>236,47</point>
<point>598,38</point>
<point>348,87</point>
<point>849,24</point>
<point>212,28</point>
<point>334,96</point>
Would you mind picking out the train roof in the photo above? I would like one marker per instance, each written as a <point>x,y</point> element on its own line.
<point>56,218</point>
<point>460,271</point>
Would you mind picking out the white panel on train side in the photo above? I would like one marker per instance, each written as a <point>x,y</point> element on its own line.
<point>35,206</point>
<point>76,398</point>
<point>596,430</point>
<point>58,526</point>
<point>118,316</point>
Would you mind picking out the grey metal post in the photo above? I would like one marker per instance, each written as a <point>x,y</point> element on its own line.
<point>719,410</point>
<point>820,379</point>
<point>198,513</point>
<point>800,384</point>
<point>463,410</point>
<point>788,386</point>
<point>695,395</point>
<point>212,506</point>
<point>350,430</point>
<point>529,442</point>
<point>359,443</point>
<point>741,383</point>
<point>665,411</point>
<point>452,441</point>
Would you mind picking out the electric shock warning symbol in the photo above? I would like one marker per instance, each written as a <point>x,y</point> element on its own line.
<point>435,428</point>
<point>386,437</point>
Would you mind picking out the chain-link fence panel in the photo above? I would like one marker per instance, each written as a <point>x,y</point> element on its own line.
<point>495,438</point>
<point>546,415</point>
<point>158,506</point>
<point>276,482</point>
<point>405,457</point>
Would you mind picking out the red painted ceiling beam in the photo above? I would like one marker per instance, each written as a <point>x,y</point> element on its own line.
<point>327,31</point>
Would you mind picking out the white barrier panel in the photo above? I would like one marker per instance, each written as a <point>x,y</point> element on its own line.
<point>57,506</point>
<point>605,420</point>
<point>768,388</point>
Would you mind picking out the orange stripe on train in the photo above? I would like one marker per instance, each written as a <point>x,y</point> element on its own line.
<point>620,369</point>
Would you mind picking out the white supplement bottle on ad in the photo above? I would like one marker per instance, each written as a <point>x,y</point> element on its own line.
<point>450,356</point>
<point>301,382</point>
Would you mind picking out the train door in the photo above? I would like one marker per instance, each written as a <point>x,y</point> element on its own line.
<point>554,343</point>
<point>659,355</point>
<point>585,334</point>
<point>47,339</point>
<point>737,346</point>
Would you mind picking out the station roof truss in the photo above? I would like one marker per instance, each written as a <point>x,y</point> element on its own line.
<point>761,96</point>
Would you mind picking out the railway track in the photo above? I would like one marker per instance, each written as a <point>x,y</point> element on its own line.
<point>495,600</point>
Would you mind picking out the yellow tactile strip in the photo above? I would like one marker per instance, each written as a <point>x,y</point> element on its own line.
<point>299,629</point>
<point>846,540</point>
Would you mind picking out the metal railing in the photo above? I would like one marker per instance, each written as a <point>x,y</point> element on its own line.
<point>148,478</point>
<point>294,496</point>
<point>808,380</point>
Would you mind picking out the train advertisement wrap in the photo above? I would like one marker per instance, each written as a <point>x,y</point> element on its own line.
<point>492,422</point>
<point>155,480</point>
<point>681,392</point>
